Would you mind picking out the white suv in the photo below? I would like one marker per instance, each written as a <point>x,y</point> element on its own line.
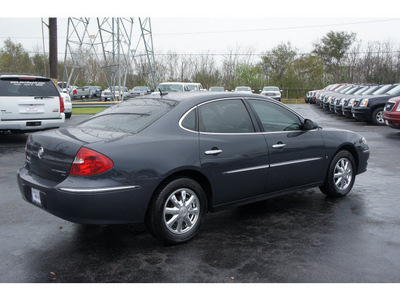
<point>272,92</point>
<point>29,103</point>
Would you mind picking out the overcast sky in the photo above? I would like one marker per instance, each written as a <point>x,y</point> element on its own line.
<point>213,26</point>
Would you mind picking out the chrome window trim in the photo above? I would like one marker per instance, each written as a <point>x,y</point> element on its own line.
<point>97,190</point>
<point>243,133</point>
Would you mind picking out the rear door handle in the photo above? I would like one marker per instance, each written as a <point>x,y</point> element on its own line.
<point>278,146</point>
<point>213,152</point>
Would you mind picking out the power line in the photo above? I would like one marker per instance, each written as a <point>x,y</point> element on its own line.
<point>247,30</point>
<point>278,28</point>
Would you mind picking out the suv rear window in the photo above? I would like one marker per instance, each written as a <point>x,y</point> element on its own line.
<point>20,87</point>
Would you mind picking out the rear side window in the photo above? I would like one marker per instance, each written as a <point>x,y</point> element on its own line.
<point>20,87</point>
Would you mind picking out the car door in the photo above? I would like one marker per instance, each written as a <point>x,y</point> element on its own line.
<point>234,155</point>
<point>296,156</point>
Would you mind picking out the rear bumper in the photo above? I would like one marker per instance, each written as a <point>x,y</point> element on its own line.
<point>32,125</point>
<point>103,203</point>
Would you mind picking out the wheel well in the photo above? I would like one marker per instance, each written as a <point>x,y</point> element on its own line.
<point>195,175</point>
<point>352,151</point>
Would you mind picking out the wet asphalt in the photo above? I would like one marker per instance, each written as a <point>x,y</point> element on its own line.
<point>299,238</point>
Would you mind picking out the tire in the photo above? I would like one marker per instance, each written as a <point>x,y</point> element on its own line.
<point>172,219</point>
<point>68,115</point>
<point>341,175</point>
<point>377,116</point>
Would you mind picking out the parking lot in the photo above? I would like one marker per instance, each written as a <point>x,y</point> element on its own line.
<point>301,237</point>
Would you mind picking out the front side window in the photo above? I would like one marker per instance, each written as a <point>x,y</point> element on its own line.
<point>225,116</point>
<point>275,117</point>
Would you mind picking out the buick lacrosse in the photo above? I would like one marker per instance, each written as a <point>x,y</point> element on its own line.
<point>166,160</point>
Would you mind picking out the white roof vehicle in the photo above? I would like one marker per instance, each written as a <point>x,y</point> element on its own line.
<point>244,89</point>
<point>29,103</point>
<point>171,87</point>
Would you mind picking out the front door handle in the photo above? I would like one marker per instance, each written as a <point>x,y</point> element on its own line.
<point>213,152</point>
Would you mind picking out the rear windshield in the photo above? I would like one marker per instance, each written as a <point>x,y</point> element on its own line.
<point>21,87</point>
<point>130,116</point>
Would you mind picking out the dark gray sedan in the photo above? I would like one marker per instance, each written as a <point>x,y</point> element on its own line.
<point>167,160</point>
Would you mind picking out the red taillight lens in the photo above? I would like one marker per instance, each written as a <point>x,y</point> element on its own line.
<point>61,105</point>
<point>74,92</point>
<point>89,162</point>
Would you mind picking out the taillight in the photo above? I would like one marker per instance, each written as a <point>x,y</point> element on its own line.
<point>61,105</point>
<point>74,92</point>
<point>89,162</point>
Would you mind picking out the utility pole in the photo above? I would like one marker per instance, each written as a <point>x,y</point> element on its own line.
<point>53,48</point>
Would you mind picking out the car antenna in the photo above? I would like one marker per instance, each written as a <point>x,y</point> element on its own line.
<point>161,93</point>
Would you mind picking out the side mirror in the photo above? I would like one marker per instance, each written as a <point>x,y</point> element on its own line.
<point>309,124</point>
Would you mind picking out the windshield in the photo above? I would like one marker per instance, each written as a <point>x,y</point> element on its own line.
<point>193,87</point>
<point>383,89</point>
<point>369,90</point>
<point>139,88</point>
<point>394,91</point>
<point>171,87</point>
<point>116,88</point>
<point>361,90</point>
<point>216,89</point>
<point>243,88</point>
<point>271,88</point>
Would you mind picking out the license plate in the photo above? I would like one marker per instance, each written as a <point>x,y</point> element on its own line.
<point>36,197</point>
<point>31,108</point>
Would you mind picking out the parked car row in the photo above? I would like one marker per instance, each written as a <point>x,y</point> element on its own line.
<point>85,92</point>
<point>363,102</point>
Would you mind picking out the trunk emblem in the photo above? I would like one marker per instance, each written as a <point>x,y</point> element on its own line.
<point>40,152</point>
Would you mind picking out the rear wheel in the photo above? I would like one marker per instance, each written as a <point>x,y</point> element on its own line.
<point>177,211</point>
<point>341,175</point>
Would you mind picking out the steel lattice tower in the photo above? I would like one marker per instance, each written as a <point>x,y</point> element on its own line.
<point>114,37</point>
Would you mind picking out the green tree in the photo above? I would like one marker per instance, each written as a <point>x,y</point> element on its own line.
<point>332,48</point>
<point>14,59</point>
<point>248,75</point>
<point>275,63</point>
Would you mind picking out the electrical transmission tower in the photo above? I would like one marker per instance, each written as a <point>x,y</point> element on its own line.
<point>114,37</point>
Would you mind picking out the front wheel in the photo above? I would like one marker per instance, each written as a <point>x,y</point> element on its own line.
<point>177,211</point>
<point>341,175</point>
<point>377,116</point>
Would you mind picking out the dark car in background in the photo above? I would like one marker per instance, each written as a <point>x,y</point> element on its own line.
<point>370,109</point>
<point>312,95</point>
<point>340,101</point>
<point>391,113</point>
<point>138,91</point>
<point>166,160</point>
<point>94,91</point>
